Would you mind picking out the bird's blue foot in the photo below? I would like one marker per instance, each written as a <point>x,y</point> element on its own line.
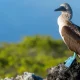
<point>70,60</point>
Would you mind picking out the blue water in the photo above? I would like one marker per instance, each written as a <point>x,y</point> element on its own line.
<point>19,18</point>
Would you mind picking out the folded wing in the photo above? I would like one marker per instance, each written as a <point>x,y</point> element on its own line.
<point>71,34</point>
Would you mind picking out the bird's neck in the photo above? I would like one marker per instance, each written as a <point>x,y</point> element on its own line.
<point>63,18</point>
<point>62,21</point>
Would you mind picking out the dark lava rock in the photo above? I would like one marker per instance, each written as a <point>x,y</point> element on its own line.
<point>61,72</point>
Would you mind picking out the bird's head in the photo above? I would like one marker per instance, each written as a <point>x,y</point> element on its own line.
<point>65,9</point>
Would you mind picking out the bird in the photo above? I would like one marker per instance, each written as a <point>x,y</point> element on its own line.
<point>69,32</point>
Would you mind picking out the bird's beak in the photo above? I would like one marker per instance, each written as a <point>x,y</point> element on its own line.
<point>61,8</point>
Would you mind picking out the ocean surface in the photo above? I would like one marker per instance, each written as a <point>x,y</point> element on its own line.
<point>20,18</point>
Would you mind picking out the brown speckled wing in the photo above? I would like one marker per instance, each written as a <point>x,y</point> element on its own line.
<point>71,35</point>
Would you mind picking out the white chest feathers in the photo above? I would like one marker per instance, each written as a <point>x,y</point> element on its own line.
<point>61,23</point>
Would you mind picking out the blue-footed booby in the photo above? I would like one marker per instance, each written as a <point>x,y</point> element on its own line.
<point>69,32</point>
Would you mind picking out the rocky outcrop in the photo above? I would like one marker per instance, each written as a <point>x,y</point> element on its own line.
<point>59,72</point>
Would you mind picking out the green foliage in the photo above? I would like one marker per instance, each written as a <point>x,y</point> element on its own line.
<point>33,54</point>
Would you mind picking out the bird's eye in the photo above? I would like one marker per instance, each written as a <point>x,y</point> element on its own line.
<point>63,8</point>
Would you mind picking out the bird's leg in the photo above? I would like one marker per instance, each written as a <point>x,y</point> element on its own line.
<point>70,60</point>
